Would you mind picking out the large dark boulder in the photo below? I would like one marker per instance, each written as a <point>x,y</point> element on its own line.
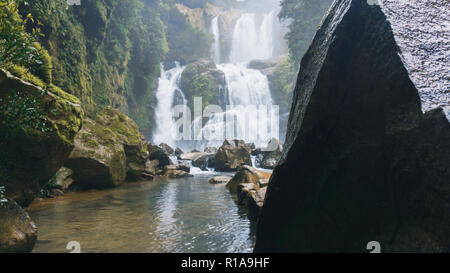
<point>203,79</point>
<point>231,155</point>
<point>38,125</point>
<point>361,161</point>
<point>136,158</point>
<point>98,160</point>
<point>18,233</point>
<point>157,153</point>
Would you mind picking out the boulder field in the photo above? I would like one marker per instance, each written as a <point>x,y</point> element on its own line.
<point>362,162</point>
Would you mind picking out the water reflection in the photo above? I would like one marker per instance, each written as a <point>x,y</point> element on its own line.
<point>185,215</point>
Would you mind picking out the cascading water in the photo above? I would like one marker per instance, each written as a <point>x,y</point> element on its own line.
<point>247,87</point>
<point>253,38</point>
<point>168,86</point>
<point>216,45</point>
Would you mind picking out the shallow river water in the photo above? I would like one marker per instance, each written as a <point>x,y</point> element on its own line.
<point>183,215</point>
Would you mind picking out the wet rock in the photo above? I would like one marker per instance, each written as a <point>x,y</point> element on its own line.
<point>174,171</point>
<point>98,160</point>
<point>268,156</point>
<point>252,197</point>
<point>63,178</point>
<point>151,168</point>
<point>169,150</point>
<point>157,153</point>
<point>210,150</point>
<point>18,233</point>
<point>184,166</point>
<point>204,161</point>
<point>136,158</point>
<point>231,155</point>
<point>31,152</point>
<point>361,161</point>
<point>192,156</point>
<point>246,174</point>
<point>203,79</point>
<point>178,152</point>
<point>271,154</point>
<point>220,179</point>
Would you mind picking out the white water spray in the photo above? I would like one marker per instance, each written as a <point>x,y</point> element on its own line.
<point>216,45</point>
<point>168,86</point>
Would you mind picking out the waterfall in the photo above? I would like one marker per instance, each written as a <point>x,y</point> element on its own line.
<point>246,87</point>
<point>251,42</point>
<point>216,45</point>
<point>247,93</point>
<point>168,87</point>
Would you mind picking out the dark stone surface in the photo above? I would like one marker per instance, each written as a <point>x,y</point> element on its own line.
<point>18,233</point>
<point>136,158</point>
<point>231,155</point>
<point>361,162</point>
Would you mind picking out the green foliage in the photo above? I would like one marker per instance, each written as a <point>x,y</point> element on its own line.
<point>283,83</point>
<point>46,191</point>
<point>186,43</point>
<point>105,52</point>
<point>20,113</point>
<point>16,45</point>
<point>306,16</point>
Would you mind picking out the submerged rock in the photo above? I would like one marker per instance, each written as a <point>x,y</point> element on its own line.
<point>361,161</point>
<point>231,155</point>
<point>18,233</point>
<point>34,144</point>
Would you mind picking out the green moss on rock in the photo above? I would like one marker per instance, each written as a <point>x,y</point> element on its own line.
<point>32,150</point>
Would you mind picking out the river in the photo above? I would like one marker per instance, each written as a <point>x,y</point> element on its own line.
<point>186,215</point>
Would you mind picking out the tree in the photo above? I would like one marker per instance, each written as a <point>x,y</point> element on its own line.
<point>306,16</point>
<point>16,45</point>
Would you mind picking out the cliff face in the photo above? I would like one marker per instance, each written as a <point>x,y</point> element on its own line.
<point>105,52</point>
<point>361,161</point>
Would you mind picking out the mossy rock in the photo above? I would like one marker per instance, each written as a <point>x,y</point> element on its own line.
<point>124,127</point>
<point>98,160</point>
<point>32,150</point>
<point>203,79</point>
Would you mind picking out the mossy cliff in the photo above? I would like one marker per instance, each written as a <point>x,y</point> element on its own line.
<point>39,124</point>
<point>106,53</point>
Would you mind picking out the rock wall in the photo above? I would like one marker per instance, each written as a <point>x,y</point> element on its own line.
<point>361,161</point>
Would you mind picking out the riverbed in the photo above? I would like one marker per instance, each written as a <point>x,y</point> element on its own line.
<point>186,215</point>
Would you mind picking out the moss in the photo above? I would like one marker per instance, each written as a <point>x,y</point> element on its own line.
<point>24,74</point>
<point>104,52</point>
<point>123,126</point>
